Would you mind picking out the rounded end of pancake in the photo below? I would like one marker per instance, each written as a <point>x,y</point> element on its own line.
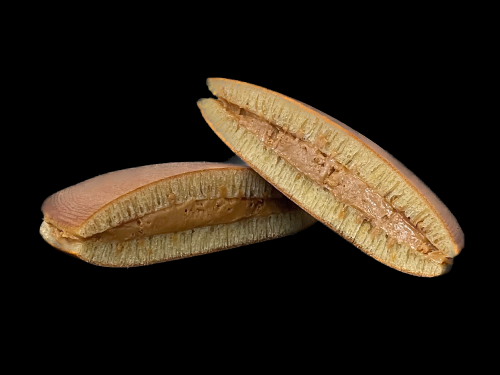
<point>46,234</point>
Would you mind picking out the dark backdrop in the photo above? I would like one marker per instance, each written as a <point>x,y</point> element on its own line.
<point>101,107</point>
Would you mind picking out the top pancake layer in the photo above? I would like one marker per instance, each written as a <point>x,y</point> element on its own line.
<point>108,200</point>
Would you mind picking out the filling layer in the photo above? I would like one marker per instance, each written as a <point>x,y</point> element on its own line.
<point>340,181</point>
<point>188,215</point>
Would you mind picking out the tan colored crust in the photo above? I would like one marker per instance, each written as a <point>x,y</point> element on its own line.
<point>79,219</point>
<point>81,210</point>
<point>89,196</point>
<point>449,221</point>
<point>225,88</point>
<point>219,87</point>
<point>299,189</point>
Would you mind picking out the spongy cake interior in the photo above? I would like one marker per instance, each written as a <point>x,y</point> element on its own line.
<point>373,165</point>
<point>222,181</point>
<point>196,241</point>
<point>90,207</point>
<point>310,196</point>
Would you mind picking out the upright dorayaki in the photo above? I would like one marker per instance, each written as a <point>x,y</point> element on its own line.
<point>337,175</point>
<point>163,212</point>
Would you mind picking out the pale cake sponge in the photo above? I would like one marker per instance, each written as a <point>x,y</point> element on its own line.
<point>337,175</point>
<point>163,212</point>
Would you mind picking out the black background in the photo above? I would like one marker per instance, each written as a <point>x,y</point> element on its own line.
<point>103,105</point>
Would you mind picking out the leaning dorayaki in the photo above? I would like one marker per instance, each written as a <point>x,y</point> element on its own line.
<point>337,175</point>
<point>163,212</point>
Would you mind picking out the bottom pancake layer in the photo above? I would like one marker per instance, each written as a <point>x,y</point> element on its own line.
<point>171,246</point>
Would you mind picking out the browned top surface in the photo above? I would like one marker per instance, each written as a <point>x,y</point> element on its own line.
<point>74,205</point>
<point>438,206</point>
<point>426,192</point>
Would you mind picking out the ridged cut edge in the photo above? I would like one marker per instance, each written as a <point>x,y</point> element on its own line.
<point>228,130</point>
<point>261,101</point>
<point>232,181</point>
<point>193,242</point>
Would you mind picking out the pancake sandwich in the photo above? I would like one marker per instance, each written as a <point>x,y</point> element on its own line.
<point>162,212</point>
<point>337,175</point>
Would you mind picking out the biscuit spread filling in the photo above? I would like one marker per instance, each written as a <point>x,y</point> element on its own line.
<point>188,215</point>
<point>337,179</point>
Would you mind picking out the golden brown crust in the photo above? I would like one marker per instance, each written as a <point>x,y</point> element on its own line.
<point>310,212</point>
<point>177,210</point>
<point>73,206</point>
<point>435,203</point>
<point>371,164</point>
<point>447,218</point>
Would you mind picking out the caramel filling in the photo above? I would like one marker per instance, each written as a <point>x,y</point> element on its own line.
<point>188,215</point>
<point>337,179</point>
